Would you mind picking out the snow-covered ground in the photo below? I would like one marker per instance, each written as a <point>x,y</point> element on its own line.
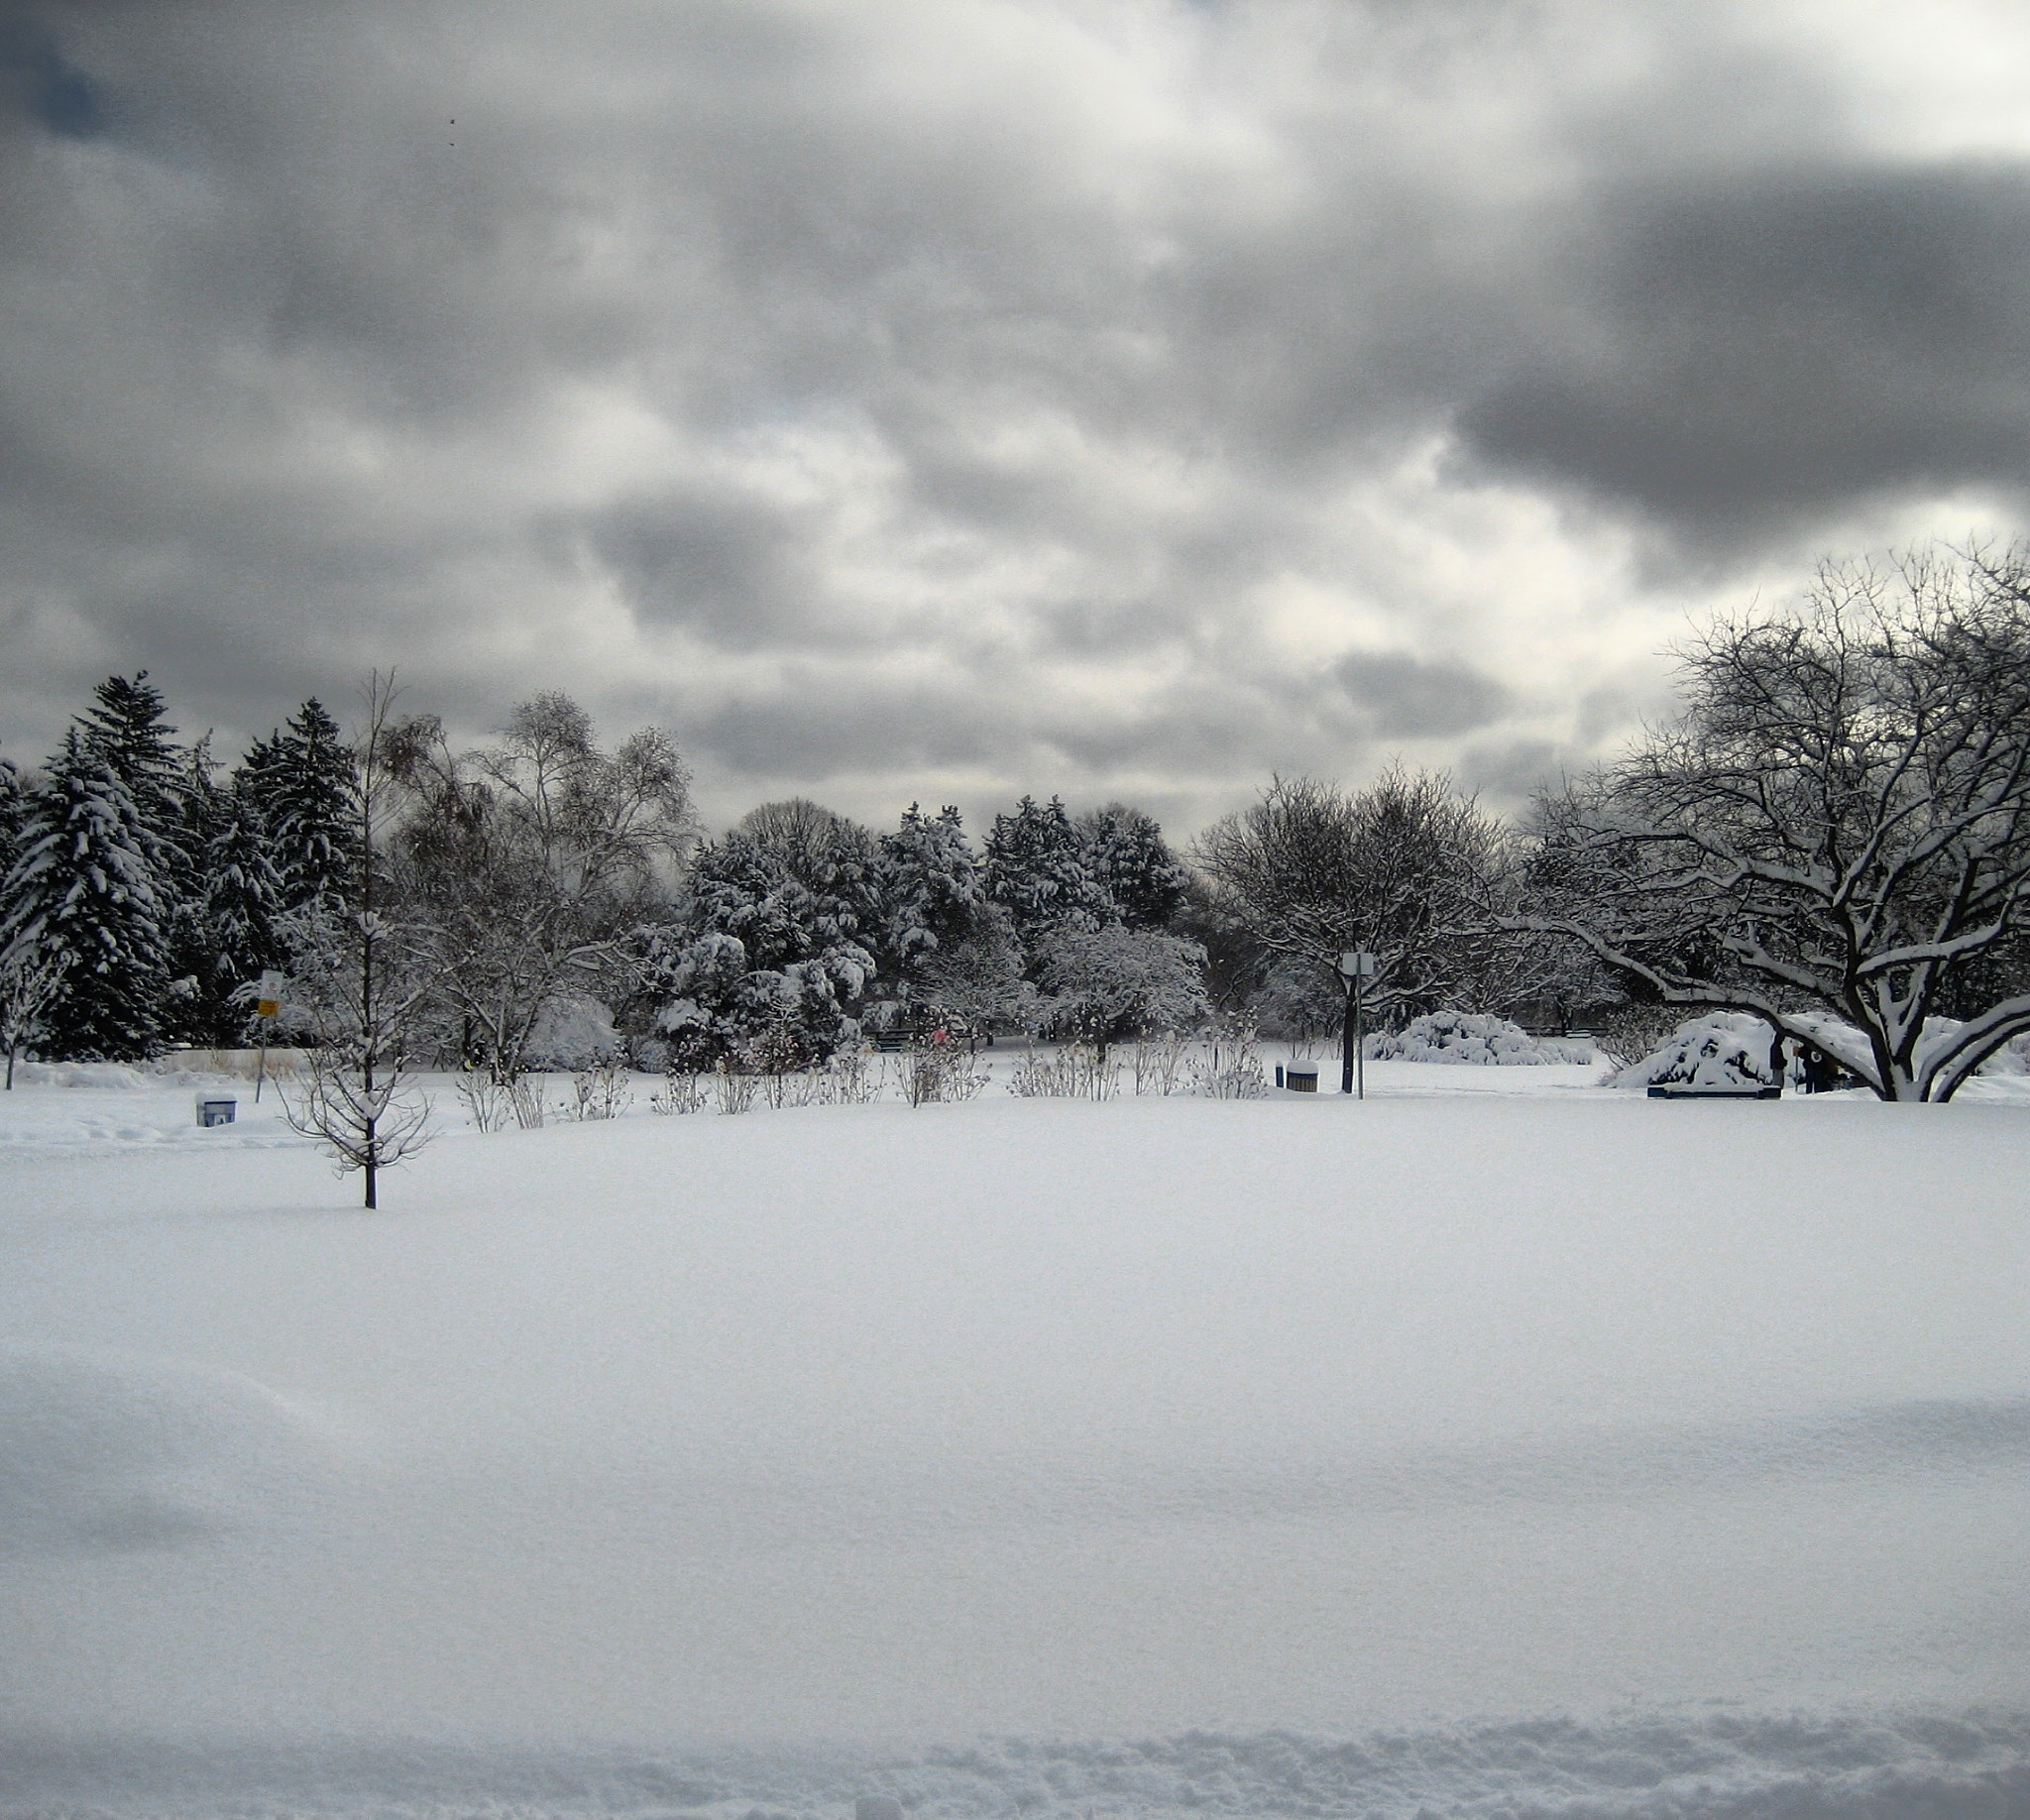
<point>1501,1445</point>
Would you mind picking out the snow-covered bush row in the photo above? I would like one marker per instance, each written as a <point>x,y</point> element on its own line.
<point>1472,1038</point>
<point>1722,1048</point>
<point>1734,1049</point>
<point>116,1076</point>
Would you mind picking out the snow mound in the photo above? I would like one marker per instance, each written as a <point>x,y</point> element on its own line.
<point>103,1451</point>
<point>117,1076</point>
<point>1723,1049</point>
<point>1474,1039</point>
<point>2013,1057</point>
<point>1650,1765</point>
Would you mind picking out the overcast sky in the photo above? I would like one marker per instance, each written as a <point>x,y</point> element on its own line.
<point>945,399</point>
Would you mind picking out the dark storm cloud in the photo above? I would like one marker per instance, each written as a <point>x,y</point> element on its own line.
<point>712,560</point>
<point>38,85</point>
<point>979,390</point>
<point>1750,350</point>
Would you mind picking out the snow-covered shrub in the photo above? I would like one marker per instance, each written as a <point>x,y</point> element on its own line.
<point>598,1092</point>
<point>850,1079</point>
<point>782,1047</point>
<point>1231,1068</point>
<point>118,1075</point>
<point>1076,1074</point>
<point>1625,1033</point>
<point>1471,1038</point>
<point>939,1072</point>
<point>1722,1048</point>
<point>571,1032</point>
<point>2013,1057</point>
<point>487,1106</point>
<point>678,1094</point>
<point>736,1092</point>
<point>525,1096</point>
<point>1159,1061</point>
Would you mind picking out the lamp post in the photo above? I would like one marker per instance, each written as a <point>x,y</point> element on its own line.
<point>1353,965</point>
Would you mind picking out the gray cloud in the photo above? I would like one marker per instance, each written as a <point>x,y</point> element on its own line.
<point>958,399</point>
<point>1404,698</point>
<point>1749,351</point>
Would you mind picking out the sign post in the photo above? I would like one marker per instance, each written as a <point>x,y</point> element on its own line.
<point>1354,966</point>
<point>266,1007</point>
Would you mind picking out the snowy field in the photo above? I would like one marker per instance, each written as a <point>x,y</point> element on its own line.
<point>1500,1446</point>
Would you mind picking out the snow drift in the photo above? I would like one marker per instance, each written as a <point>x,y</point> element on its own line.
<point>1265,1443</point>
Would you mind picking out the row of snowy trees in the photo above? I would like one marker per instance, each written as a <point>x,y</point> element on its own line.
<point>1833,834</point>
<point>799,919</point>
<point>143,893</point>
<point>496,893</point>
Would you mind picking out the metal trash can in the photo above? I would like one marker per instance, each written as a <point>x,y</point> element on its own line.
<point>1302,1076</point>
<point>216,1108</point>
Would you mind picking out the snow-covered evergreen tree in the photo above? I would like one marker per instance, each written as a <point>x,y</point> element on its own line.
<point>772,935</point>
<point>86,889</point>
<point>197,811</point>
<point>304,782</point>
<point>1037,868</point>
<point>13,806</point>
<point>240,908</point>
<point>931,894</point>
<point>1133,864</point>
<point>127,729</point>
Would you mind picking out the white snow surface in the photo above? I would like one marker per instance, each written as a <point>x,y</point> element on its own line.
<point>1498,1446</point>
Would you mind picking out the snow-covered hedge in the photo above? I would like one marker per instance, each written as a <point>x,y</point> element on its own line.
<point>119,1075</point>
<point>2013,1057</point>
<point>1722,1048</point>
<point>1474,1039</point>
<point>572,1032</point>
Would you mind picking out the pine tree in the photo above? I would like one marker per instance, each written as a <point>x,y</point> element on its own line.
<point>931,894</point>
<point>197,812</point>
<point>241,904</point>
<point>84,890</point>
<point>13,806</point>
<point>127,732</point>
<point>1037,870</point>
<point>304,783</point>
<point>1134,866</point>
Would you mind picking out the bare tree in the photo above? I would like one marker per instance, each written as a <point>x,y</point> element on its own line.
<point>529,861</point>
<point>360,977</point>
<point>30,981</point>
<point>1835,835</point>
<point>1402,869</point>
